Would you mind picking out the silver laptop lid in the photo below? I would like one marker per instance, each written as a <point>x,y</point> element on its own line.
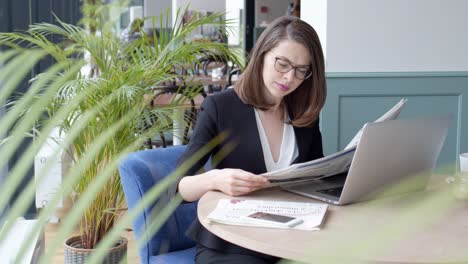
<point>389,152</point>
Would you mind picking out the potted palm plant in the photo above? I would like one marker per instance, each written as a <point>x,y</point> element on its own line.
<point>102,107</point>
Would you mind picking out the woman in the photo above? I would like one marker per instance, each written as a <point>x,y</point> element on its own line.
<point>271,117</point>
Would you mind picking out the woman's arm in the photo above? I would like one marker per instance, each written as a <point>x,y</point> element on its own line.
<point>234,182</point>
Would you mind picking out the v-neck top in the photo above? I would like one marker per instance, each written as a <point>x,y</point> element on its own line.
<point>288,149</point>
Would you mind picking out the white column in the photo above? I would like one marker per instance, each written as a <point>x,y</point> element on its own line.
<point>155,8</point>
<point>315,13</point>
<point>178,127</point>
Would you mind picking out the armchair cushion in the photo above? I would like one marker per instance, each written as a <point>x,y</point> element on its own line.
<point>139,172</point>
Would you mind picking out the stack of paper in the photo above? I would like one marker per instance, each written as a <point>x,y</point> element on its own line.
<point>234,212</point>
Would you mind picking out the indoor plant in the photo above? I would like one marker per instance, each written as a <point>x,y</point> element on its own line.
<point>107,103</point>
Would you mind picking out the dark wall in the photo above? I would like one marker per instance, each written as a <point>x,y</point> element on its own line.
<point>17,15</point>
<point>249,25</point>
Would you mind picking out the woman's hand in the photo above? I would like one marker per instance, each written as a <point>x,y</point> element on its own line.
<point>236,182</point>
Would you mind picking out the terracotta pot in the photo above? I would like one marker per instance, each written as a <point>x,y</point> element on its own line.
<point>75,254</point>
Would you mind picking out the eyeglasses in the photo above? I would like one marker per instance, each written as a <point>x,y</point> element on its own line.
<point>284,66</point>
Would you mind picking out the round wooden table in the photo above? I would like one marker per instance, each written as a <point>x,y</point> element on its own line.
<point>428,226</point>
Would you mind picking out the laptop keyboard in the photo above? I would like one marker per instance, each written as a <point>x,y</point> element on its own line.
<point>335,191</point>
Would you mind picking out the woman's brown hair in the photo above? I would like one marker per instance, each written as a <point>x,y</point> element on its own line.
<point>305,103</point>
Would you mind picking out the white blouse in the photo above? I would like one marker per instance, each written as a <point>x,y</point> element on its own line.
<point>288,149</point>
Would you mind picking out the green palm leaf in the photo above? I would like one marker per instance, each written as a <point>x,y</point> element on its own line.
<point>100,110</point>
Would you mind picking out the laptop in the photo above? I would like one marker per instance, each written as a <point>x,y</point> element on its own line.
<point>392,157</point>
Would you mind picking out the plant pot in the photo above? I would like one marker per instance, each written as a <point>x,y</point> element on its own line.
<point>75,254</point>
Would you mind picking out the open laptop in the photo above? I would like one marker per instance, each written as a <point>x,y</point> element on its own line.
<point>388,153</point>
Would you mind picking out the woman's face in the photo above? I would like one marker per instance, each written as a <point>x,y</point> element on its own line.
<point>278,81</point>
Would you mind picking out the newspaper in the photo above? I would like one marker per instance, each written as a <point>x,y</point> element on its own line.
<point>389,115</point>
<point>315,169</point>
<point>330,165</point>
<point>234,212</point>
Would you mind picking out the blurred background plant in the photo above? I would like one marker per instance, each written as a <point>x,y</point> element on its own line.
<point>95,93</point>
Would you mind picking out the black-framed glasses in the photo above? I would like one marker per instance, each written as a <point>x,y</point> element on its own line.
<point>284,66</point>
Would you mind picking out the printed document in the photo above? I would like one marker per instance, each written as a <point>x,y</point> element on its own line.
<point>234,212</point>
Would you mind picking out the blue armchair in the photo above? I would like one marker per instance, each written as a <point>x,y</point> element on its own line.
<point>139,171</point>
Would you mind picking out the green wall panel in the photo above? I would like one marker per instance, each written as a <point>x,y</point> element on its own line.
<point>354,99</point>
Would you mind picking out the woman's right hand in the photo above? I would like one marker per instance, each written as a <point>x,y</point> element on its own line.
<point>237,182</point>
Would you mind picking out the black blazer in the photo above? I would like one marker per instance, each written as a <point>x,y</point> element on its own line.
<point>225,112</point>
